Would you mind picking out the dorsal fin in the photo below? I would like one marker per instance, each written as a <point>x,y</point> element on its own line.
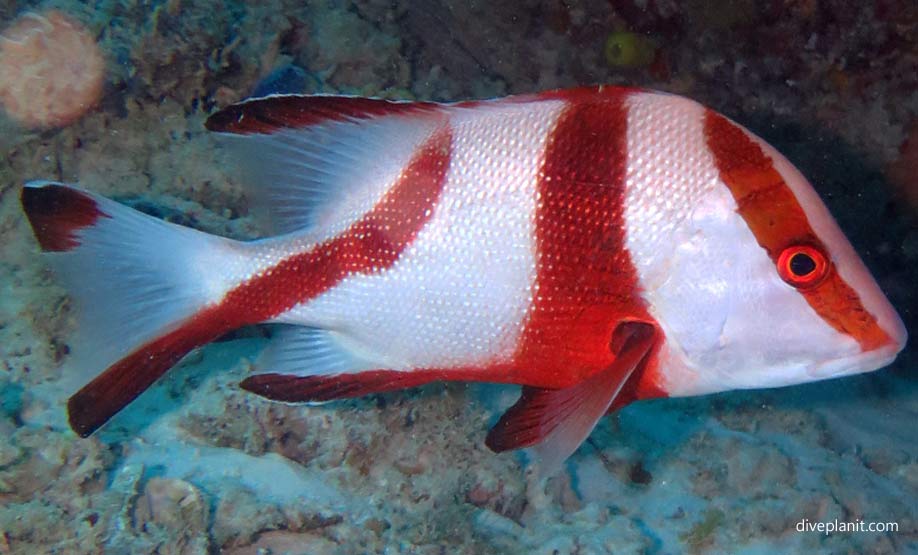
<point>294,111</point>
<point>320,162</point>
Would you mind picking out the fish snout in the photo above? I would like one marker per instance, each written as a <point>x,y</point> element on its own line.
<point>867,360</point>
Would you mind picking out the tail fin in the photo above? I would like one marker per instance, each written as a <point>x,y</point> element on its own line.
<point>141,287</point>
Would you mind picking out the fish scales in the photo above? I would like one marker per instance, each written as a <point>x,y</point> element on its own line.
<point>595,245</point>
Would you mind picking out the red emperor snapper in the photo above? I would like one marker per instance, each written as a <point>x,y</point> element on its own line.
<point>595,245</point>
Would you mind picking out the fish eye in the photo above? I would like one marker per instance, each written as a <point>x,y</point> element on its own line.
<point>802,266</point>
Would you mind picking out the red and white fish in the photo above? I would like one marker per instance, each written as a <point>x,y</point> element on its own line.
<point>596,245</point>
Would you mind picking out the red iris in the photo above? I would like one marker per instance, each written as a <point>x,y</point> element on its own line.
<point>802,266</point>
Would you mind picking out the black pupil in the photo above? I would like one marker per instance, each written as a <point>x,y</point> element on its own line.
<point>802,264</point>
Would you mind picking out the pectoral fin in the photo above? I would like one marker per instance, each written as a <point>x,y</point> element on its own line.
<point>557,421</point>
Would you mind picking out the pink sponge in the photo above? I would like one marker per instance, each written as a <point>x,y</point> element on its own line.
<point>51,70</point>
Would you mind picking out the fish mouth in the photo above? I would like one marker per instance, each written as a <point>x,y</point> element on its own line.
<point>867,361</point>
<point>857,364</point>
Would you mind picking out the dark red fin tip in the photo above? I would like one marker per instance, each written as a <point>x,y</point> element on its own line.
<point>96,402</point>
<point>295,389</point>
<point>56,213</point>
<point>271,113</point>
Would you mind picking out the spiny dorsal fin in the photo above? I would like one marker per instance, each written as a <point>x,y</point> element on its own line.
<point>272,113</point>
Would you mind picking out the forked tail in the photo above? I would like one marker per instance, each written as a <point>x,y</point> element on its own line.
<point>147,291</point>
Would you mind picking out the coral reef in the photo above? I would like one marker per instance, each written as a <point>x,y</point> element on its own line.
<point>198,466</point>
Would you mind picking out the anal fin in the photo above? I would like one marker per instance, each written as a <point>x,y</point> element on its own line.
<point>316,365</point>
<point>557,421</point>
<point>297,389</point>
<point>307,351</point>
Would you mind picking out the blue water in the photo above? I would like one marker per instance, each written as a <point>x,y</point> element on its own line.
<point>197,466</point>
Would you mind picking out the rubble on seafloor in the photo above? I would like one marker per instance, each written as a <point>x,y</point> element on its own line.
<point>198,466</point>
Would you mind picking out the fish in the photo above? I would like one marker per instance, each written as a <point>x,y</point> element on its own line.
<point>596,246</point>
